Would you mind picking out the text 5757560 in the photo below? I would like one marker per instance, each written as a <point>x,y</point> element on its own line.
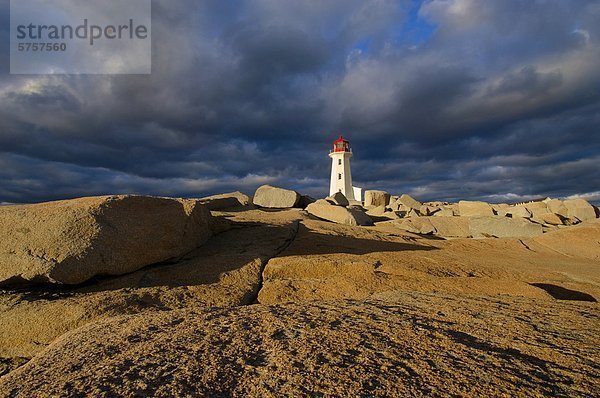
<point>42,47</point>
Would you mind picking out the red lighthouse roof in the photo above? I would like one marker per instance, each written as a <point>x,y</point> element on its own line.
<point>341,145</point>
<point>341,139</point>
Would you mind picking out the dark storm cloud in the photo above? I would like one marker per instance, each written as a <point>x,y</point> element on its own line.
<point>495,100</point>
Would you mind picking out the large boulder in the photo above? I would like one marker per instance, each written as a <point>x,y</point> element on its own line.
<point>428,210</point>
<point>580,209</point>
<point>487,227</point>
<point>538,210</point>
<point>445,211</point>
<point>383,212</point>
<point>276,198</point>
<point>502,209</point>
<point>305,200</point>
<point>417,225</point>
<point>69,242</point>
<point>396,206</point>
<point>557,206</point>
<point>413,213</point>
<point>408,201</point>
<point>451,227</point>
<point>226,201</point>
<point>519,211</point>
<point>474,209</point>
<point>553,219</point>
<point>536,205</point>
<point>337,214</point>
<point>338,199</point>
<point>376,198</point>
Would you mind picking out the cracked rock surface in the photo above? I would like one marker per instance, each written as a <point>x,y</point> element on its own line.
<point>278,303</point>
<point>329,261</point>
<point>224,272</point>
<point>396,344</point>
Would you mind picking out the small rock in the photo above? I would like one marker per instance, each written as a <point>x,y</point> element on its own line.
<point>338,199</point>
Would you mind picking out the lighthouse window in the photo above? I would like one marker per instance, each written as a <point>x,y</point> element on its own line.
<point>339,176</point>
<point>340,162</point>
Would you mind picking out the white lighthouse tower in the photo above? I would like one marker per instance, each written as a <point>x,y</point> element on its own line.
<point>341,176</point>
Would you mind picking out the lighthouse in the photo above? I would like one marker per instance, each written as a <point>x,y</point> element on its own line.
<point>341,175</point>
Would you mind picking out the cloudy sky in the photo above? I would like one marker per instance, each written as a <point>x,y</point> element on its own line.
<point>443,99</point>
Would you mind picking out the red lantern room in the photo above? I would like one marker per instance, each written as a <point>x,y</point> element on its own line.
<point>341,145</point>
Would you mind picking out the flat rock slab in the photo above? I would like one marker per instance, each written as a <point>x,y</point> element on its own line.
<point>465,227</point>
<point>400,344</point>
<point>519,211</point>
<point>330,261</point>
<point>503,227</point>
<point>452,227</point>
<point>338,214</point>
<point>417,225</point>
<point>226,201</point>
<point>474,209</point>
<point>580,241</point>
<point>70,242</point>
<point>553,219</point>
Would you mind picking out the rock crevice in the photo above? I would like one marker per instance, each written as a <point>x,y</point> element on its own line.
<point>265,263</point>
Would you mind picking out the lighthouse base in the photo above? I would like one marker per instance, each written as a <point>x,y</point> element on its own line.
<point>357,193</point>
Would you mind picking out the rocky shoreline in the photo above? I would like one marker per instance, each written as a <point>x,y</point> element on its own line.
<point>283,294</point>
